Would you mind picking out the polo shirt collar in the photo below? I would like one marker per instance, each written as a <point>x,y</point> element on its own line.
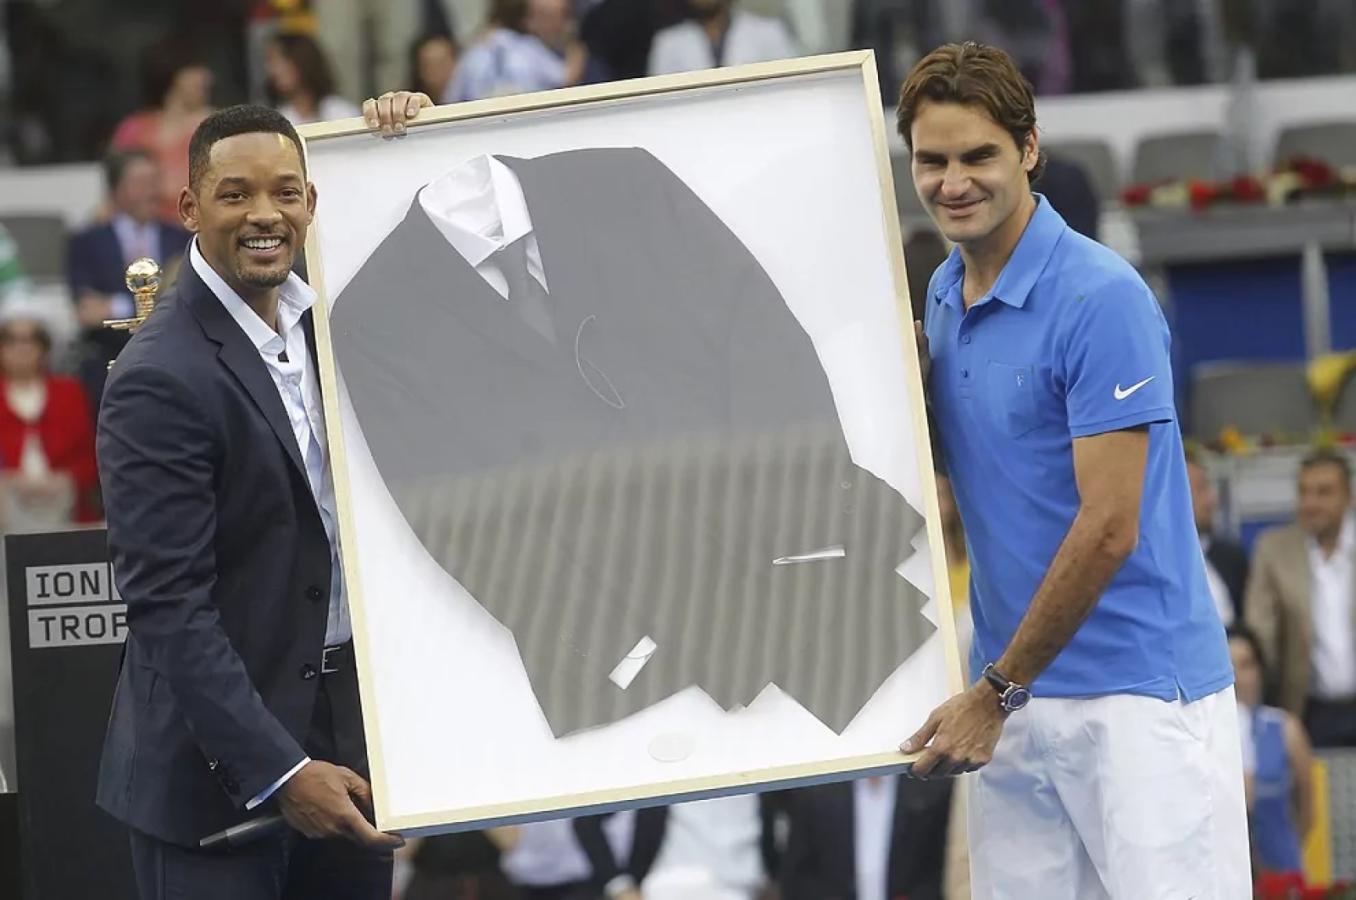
<point>1028,260</point>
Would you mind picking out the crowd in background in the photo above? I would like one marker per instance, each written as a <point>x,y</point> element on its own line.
<point>1292,636</point>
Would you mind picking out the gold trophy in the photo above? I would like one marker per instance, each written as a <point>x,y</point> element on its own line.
<point>143,280</point>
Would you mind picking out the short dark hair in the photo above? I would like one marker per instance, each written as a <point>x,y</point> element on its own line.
<point>313,69</point>
<point>1249,637</point>
<point>117,161</point>
<point>972,74</point>
<point>229,122</point>
<point>509,14</point>
<point>1326,456</point>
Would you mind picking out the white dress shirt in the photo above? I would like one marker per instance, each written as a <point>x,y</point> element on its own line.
<point>1219,591</point>
<point>873,819</point>
<point>713,843</point>
<point>1334,648</point>
<point>298,386</point>
<point>548,853</point>
<point>686,47</point>
<point>135,240</point>
<point>480,208</point>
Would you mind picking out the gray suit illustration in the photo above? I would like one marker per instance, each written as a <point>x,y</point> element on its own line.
<point>658,463</point>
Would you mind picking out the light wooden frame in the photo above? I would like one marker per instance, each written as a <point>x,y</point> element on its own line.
<point>688,789</point>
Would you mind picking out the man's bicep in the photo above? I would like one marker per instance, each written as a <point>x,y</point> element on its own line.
<point>1109,469</point>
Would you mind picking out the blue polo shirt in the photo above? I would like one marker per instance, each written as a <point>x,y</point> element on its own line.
<point>1069,343</point>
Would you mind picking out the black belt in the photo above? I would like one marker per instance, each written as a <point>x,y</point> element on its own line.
<point>332,660</point>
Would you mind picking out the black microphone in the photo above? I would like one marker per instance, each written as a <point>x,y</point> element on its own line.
<point>245,833</point>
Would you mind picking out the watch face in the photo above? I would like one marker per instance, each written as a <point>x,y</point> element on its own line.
<point>1017,697</point>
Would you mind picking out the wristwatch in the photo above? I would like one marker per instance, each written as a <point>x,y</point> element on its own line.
<point>1011,695</point>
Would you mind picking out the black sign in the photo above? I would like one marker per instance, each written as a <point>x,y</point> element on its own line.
<point>67,625</point>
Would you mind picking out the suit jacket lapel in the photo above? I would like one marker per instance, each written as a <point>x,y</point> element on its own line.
<point>1301,580</point>
<point>240,356</point>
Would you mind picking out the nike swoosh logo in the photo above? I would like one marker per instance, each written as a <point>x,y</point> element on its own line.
<point>1122,394</point>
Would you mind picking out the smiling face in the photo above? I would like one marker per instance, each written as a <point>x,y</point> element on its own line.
<point>250,210</point>
<point>969,172</point>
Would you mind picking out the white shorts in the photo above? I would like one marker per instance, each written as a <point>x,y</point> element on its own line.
<point>1121,797</point>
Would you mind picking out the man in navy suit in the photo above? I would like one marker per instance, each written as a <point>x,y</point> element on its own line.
<point>237,694</point>
<point>98,257</point>
<point>870,839</point>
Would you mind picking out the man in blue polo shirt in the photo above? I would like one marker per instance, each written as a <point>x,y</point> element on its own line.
<point>1051,391</point>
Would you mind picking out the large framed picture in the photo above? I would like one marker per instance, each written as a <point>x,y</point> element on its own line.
<point>629,444</point>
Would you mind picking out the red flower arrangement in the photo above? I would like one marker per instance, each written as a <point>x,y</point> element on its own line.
<point>1299,177</point>
<point>1291,886</point>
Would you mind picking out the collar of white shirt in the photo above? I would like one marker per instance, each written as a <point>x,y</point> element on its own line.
<point>294,298</point>
<point>136,239</point>
<point>480,208</point>
<point>1346,543</point>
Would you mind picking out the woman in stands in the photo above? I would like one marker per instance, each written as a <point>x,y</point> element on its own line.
<point>1277,762</point>
<point>47,470</point>
<point>301,83</point>
<point>178,86</point>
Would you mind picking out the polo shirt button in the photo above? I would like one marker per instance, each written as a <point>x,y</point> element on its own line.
<point>966,339</point>
<point>313,593</point>
<point>307,672</point>
<point>965,373</point>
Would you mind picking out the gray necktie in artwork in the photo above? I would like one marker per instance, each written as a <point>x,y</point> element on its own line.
<point>525,292</point>
<point>671,466</point>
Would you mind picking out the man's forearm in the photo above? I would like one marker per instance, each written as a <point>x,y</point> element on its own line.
<point>1092,552</point>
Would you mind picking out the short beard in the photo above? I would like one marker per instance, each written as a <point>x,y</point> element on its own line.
<point>263,279</point>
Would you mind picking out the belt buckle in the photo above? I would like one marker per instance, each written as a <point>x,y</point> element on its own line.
<point>326,667</point>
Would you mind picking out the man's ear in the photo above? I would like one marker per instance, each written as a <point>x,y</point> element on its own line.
<point>310,202</point>
<point>188,209</point>
<point>1031,152</point>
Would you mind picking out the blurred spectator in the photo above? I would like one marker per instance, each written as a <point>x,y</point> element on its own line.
<point>1226,562</point>
<point>462,866</point>
<point>719,35</point>
<point>11,269</point>
<point>530,46</point>
<point>367,42</point>
<point>1067,186</point>
<point>1036,34</point>
<point>546,861</point>
<point>924,251</point>
<point>300,83</point>
<point>179,88</point>
<point>433,59</point>
<point>711,850</point>
<point>1281,796</point>
<point>872,839</point>
<point>47,470</point>
<point>98,257</point>
<point>619,33</point>
<point>1300,599</point>
<point>720,849</point>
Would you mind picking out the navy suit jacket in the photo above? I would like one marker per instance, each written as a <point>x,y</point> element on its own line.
<point>96,260</point>
<point>219,552</point>
<point>820,862</point>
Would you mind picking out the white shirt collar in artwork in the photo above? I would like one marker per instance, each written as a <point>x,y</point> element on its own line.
<point>479,207</point>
